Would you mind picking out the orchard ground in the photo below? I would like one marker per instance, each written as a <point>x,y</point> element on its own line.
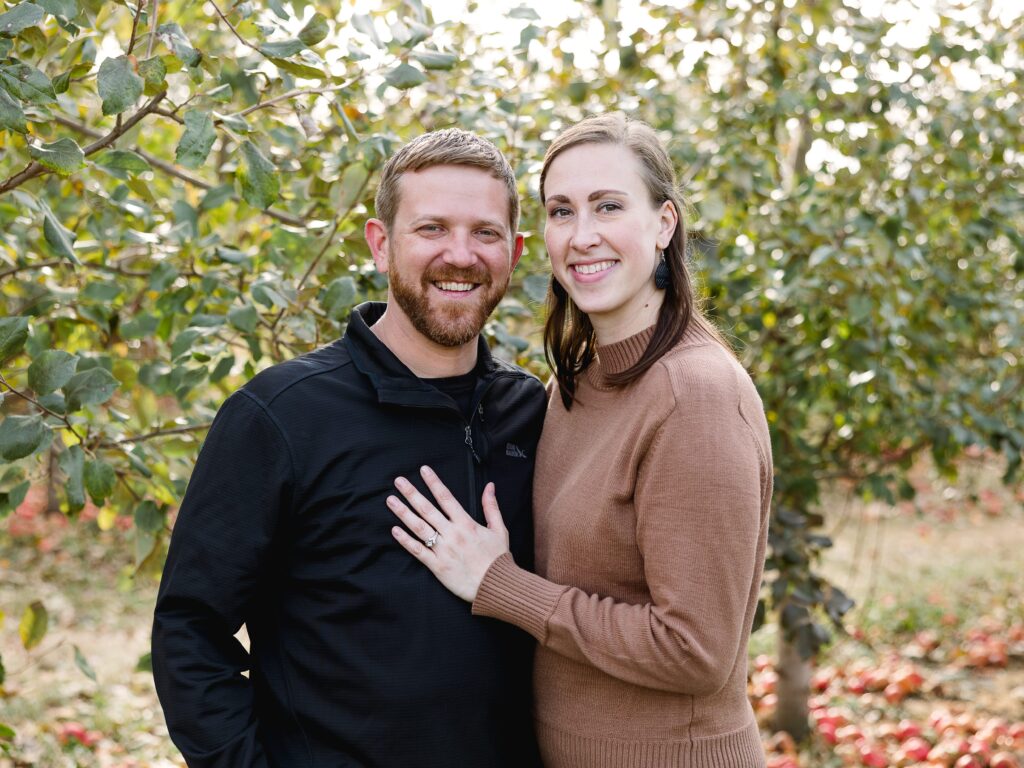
<point>931,672</point>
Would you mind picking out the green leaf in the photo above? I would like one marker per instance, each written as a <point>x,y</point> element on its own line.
<point>28,84</point>
<point>244,318</point>
<point>83,665</point>
<point>338,297</point>
<point>145,663</point>
<point>153,71</point>
<point>90,387</point>
<point>364,23</point>
<point>122,163</point>
<point>12,118</point>
<point>65,9</point>
<point>281,49</point>
<point>216,197</point>
<point>72,464</point>
<point>58,237</point>
<point>51,370</point>
<point>234,122</point>
<point>100,479</point>
<point>10,501</point>
<point>21,435</point>
<point>118,85</point>
<point>32,628</point>
<point>63,156</point>
<point>6,732</point>
<point>148,517</point>
<point>536,287</point>
<point>197,140</point>
<point>221,93</point>
<point>315,30</point>
<point>260,184</point>
<point>175,38</point>
<point>300,70</point>
<point>523,12</point>
<point>353,182</point>
<point>13,334</point>
<point>405,76</point>
<point>19,17</point>
<point>435,59</point>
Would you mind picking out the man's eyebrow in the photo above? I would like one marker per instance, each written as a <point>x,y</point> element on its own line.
<point>429,218</point>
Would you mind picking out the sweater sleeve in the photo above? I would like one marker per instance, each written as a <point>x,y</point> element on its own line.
<point>221,538</point>
<point>699,548</point>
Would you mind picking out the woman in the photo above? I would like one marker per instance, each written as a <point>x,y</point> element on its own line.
<point>653,480</point>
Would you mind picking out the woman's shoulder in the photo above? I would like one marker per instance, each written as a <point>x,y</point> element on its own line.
<point>699,364</point>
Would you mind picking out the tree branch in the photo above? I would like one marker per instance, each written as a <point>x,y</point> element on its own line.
<point>231,26</point>
<point>43,408</point>
<point>135,27</point>
<point>34,168</point>
<point>312,266</point>
<point>157,433</point>
<point>295,93</point>
<point>172,170</point>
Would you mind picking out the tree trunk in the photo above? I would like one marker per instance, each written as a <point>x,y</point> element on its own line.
<point>793,689</point>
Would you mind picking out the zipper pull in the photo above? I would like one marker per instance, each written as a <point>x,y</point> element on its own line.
<point>480,411</point>
<point>469,442</point>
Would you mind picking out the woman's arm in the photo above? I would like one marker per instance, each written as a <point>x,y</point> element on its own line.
<point>700,514</point>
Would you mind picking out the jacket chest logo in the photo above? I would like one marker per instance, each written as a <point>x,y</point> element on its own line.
<point>513,450</point>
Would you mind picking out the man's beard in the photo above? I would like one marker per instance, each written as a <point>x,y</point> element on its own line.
<point>454,323</point>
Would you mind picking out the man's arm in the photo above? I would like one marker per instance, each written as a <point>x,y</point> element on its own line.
<point>223,535</point>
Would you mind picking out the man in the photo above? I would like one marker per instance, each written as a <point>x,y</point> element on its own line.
<point>359,657</point>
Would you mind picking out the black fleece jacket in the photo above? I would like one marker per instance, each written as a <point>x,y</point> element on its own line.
<point>359,657</point>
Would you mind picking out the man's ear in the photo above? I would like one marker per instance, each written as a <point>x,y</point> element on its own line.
<point>377,238</point>
<point>517,250</point>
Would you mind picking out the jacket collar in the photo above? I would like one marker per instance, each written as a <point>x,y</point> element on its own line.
<point>394,382</point>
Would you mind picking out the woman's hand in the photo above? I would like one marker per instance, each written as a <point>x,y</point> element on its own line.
<point>456,549</point>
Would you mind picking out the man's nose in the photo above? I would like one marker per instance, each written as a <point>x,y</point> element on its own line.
<point>460,251</point>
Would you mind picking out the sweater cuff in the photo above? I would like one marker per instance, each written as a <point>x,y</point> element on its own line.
<point>518,597</point>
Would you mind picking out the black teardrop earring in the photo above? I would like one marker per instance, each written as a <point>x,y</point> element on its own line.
<point>662,275</point>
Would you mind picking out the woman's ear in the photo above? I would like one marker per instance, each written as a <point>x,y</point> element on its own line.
<point>668,220</point>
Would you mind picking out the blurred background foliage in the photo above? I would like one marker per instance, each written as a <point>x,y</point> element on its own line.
<point>183,188</point>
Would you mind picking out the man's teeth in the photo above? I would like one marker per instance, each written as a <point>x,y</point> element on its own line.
<point>455,286</point>
<point>590,269</point>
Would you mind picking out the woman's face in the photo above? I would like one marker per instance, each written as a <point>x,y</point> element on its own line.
<point>602,235</point>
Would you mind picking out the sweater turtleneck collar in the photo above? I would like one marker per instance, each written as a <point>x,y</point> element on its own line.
<point>620,356</point>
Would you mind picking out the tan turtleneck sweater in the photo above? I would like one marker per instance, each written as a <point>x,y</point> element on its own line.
<point>651,507</point>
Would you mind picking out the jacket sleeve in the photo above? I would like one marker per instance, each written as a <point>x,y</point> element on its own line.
<point>238,490</point>
<point>699,500</point>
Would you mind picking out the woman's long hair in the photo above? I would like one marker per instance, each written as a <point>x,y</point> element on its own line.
<point>569,338</point>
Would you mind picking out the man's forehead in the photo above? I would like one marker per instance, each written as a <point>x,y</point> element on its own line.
<point>452,191</point>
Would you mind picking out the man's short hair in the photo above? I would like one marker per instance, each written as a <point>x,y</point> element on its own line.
<point>451,146</point>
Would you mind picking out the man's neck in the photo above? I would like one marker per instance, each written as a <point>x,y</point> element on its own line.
<point>425,358</point>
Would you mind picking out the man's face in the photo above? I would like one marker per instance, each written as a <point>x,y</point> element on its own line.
<point>450,254</point>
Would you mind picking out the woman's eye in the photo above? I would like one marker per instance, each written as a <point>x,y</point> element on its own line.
<point>609,207</point>
<point>558,213</point>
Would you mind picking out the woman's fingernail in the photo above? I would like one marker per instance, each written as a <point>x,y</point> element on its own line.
<point>425,470</point>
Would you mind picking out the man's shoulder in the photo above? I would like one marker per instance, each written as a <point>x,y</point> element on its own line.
<point>518,377</point>
<point>304,371</point>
